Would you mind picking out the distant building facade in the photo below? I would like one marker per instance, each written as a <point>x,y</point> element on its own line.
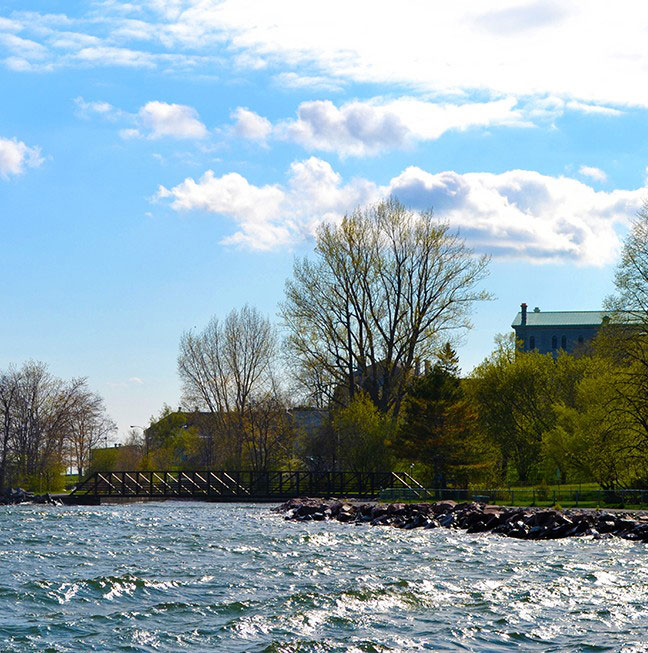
<point>308,419</point>
<point>547,332</point>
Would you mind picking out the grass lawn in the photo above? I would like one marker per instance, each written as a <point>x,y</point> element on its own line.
<point>582,495</point>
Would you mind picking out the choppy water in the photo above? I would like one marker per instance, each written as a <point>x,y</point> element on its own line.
<point>209,577</point>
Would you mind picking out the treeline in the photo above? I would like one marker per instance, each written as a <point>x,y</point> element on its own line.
<point>360,321</point>
<point>360,344</point>
<point>47,424</point>
<point>384,287</point>
<point>518,418</point>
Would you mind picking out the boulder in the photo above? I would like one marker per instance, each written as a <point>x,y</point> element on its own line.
<point>378,511</point>
<point>395,508</point>
<point>443,506</point>
<point>447,520</point>
<point>345,516</point>
<point>521,523</point>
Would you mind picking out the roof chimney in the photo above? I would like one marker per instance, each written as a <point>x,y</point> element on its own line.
<point>524,311</point>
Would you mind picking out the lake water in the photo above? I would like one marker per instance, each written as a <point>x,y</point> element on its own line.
<point>209,577</point>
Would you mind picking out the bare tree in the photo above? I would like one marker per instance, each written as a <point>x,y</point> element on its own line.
<point>631,276</point>
<point>40,416</point>
<point>385,285</point>
<point>269,431</point>
<point>225,366</point>
<point>9,382</point>
<point>45,410</point>
<point>90,426</point>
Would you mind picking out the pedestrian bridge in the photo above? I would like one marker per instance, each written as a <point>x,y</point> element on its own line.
<point>238,485</point>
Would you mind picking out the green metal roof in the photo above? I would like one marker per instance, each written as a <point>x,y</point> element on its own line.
<point>562,318</point>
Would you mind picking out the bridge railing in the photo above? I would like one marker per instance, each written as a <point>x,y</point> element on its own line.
<point>241,484</point>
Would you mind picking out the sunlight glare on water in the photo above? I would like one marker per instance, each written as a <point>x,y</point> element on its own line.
<point>225,577</point>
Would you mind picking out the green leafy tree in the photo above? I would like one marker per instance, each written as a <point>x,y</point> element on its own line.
<point>592,439</point>
<point>362,434</point>
<point>128,456</point>
<point>171,443</point>
<point>514,394</point>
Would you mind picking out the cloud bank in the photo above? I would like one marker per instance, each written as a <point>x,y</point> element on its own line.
<point>367,128</point>
<point>520,48</point>
<point>519,214</point>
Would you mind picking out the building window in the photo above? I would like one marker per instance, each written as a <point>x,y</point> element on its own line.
<point>563,343</point>
<point>532,342</point>
<point>554,342</point>
<point>580,340</point>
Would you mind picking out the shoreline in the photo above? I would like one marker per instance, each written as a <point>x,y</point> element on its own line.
<point>520,523</point>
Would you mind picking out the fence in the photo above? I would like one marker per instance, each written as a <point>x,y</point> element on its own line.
<point>240,485</point>
<point>525,496</point>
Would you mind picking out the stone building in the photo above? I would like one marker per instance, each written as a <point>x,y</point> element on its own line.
<point>550,331</point>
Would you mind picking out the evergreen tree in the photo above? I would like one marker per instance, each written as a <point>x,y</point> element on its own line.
<point>436,423</point>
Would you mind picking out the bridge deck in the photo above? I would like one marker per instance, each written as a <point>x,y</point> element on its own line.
<point>236,486</point>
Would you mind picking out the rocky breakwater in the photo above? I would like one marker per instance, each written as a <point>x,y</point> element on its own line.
<point>521,523</point>
<point>14,496</point>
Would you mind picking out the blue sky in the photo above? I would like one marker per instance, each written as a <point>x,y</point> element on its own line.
<point>163,162</point>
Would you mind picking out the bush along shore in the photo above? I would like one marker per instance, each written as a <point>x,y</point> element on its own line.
<point>12,497</point>
<point>521,523</point>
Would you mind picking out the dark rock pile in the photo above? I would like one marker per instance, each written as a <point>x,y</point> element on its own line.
<point>521,523</point>
<point>18,495</point>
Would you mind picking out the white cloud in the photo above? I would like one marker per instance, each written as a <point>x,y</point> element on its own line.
<point>8,25</point>
<point>23,48</point>
<point>355,129</point>
<point>517,47</point>
<point>272,216</point>
<point>128,383</point>
<point>250,62</point>
<point>15,156</point>
<point>86,109</point>
<point>524,214</point>
<point>129,134</point>
<point>154,120</point>
<point>161,119</point>
<point>313,82</point>
<point>73,40</point>
<point>592,108</point>
<point>251,125</point>
<point>105,55</point>
<point>593,173</point>
<point>367,128</point>
<point>518,214</point>
<point>19,64</point>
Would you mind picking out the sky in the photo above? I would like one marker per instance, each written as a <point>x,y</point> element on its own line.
<point>163,162</point>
